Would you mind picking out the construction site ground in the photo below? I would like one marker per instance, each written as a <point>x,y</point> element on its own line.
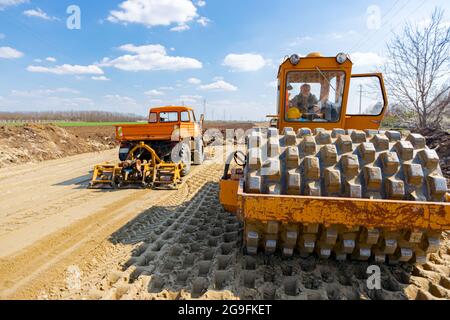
<point>60,240</point>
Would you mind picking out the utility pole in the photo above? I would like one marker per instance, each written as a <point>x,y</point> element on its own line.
<point>204,107</point>
<point>360,99</point>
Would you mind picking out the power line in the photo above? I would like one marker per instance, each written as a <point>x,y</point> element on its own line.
<point>387,22</point>
<point>384,34</point>
<point>368,31</point>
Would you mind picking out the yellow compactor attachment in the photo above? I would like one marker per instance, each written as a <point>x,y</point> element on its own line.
<point>342,193</point>
<point>154,173</point>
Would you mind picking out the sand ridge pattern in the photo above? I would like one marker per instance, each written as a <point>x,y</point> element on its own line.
<point>188,247</point>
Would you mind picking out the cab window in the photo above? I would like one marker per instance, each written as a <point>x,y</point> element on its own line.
<point>168,117</point>
<point>153,118</point>
<point>365,96</point>
<point>185,116</point>
<point>314,96</point>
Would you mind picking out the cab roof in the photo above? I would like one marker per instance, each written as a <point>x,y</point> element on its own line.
<point>313,60</point>
<point>170,108</point>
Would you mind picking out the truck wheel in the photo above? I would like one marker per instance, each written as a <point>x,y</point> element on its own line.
<point>185,155</point>
<point>199,154</point>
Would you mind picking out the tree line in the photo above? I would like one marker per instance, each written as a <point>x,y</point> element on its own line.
<point>69,116</point>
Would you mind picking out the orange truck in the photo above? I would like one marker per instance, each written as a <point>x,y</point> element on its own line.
<point>155,153</point>
<point>166,127</point>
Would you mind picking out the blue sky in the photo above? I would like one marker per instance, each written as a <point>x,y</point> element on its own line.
<point>131,55</point>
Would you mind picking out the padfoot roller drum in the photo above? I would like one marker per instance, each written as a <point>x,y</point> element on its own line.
<point>365,195</point>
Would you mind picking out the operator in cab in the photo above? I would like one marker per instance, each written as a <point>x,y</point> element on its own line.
<point>305,100</point>
<point>306,106</point>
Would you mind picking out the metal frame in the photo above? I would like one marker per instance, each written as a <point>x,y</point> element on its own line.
<point>152,172</point>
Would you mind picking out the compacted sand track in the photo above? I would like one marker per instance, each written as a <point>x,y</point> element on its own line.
<point>59,240</point>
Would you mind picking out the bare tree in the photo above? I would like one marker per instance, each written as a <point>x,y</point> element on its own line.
<point>417,74</point>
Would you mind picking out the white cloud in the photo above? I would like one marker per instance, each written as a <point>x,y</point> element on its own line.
<point>149,57</point>
<point>50,59</point>
<point>203,21</point>
<point>180,28</point>
<point>10,53</point>
<point>37,60</point>
<point>9,3</point>
<point>154,93</point>
<point>100,78</point>
<point>244,62</point>
<point>67,69</point>
<point>219,85</point>
<point>38,13</point>
<point>154,12</point>
<point>194,81</point>
<point>201,3</point>
<point>365,59</point>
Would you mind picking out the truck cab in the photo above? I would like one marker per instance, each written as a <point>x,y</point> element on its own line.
<point>171,123</point>
<point>165,128</point>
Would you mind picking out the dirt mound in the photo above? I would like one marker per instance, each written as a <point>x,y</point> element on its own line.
<point>33,143</point>
<point>439,140</point>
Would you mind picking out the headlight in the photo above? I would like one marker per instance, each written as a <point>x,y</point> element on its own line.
<point>341,58</point>
<point>295,59</point>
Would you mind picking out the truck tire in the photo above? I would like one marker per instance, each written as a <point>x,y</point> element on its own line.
<point>185,156</point>
<point>199,153</point>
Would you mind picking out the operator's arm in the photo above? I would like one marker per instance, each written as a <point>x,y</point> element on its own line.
<point>293,102</point>
<point>329,112</point>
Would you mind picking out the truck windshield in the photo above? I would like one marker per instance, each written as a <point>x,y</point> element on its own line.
<point>314,96</point>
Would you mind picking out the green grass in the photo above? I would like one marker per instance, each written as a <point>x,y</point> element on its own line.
<point>90,124</point>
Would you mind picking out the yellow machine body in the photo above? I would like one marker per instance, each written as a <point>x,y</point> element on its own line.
<point>355,191</point>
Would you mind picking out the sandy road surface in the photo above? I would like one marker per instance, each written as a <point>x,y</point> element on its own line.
<point>59,240</point>
<point>46,214</point>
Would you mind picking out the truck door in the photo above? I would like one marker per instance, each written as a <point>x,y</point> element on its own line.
<point>367,102</point>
